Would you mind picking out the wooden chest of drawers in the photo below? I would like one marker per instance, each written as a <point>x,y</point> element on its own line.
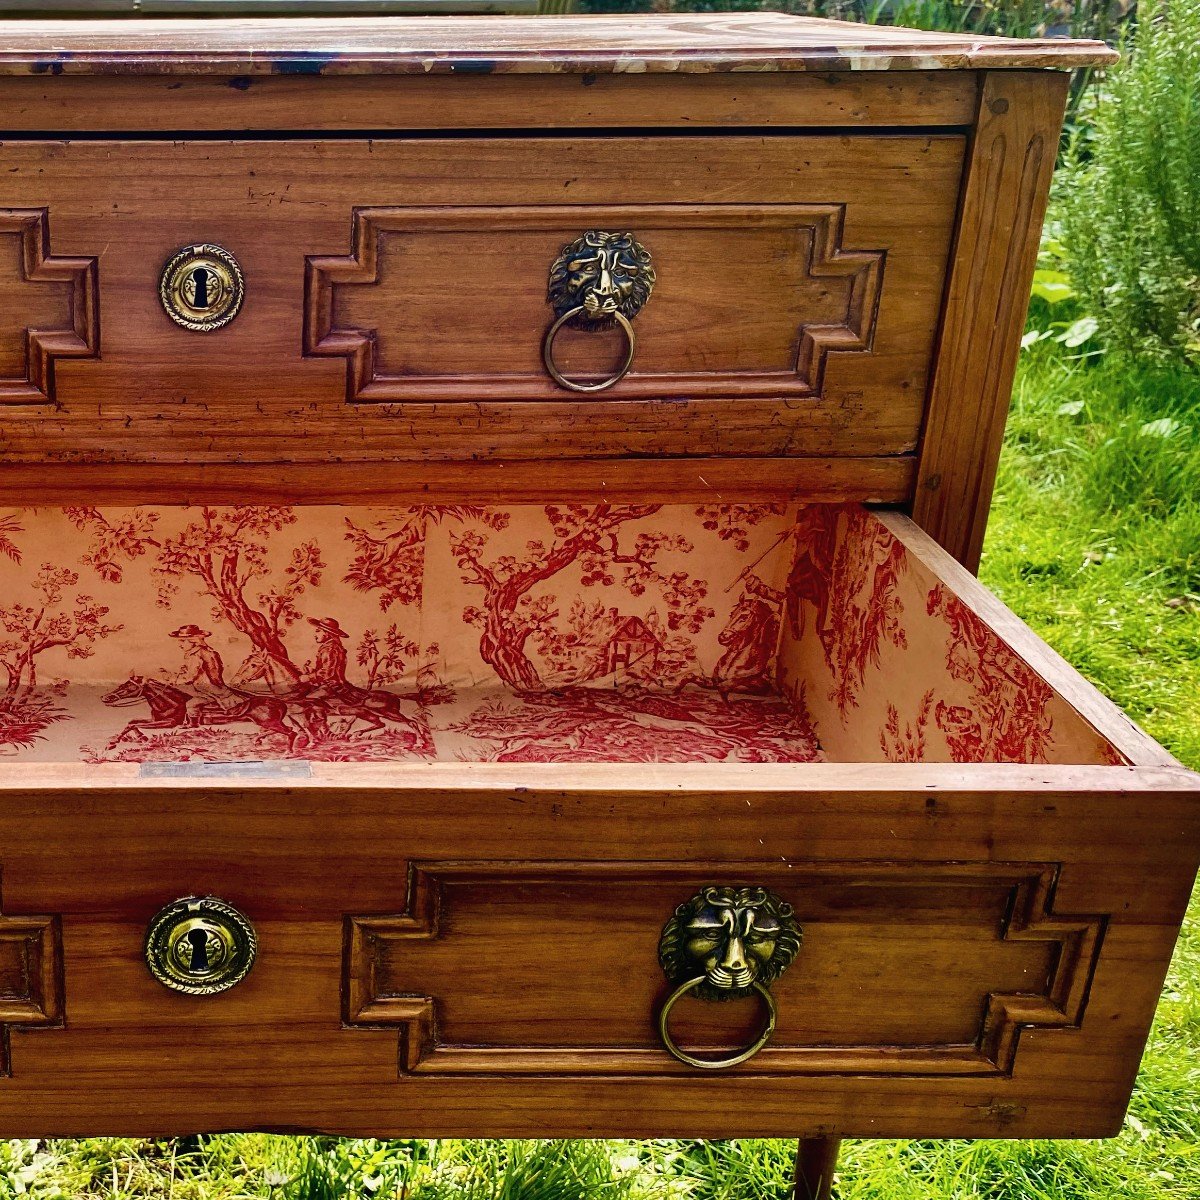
<point>493,502</point>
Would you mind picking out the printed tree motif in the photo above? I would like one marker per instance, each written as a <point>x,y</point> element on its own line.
<point>384,656</point>
<point>48,624</point>
<point>860,609</point>
<point>226,550</point>
<point>52,622</point>
<point>733,522</point>
<point>590,535</point>
<point>8,526</point>
<point>127,536</point>
<point>389,558</point>
<point>1007,716</point>
<point>907,744</point>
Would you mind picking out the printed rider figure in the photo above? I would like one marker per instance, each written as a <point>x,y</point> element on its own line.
<point>203,672</point>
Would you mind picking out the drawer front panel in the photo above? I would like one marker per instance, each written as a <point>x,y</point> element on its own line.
<point>968,954</point>
<point>977,958</point>
<point>750,300</point>
<point>395,297</point>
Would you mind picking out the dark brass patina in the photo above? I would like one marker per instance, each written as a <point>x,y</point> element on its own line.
<point>200,945</point>
<point>201,287</point>
<point>726,943</point>
<point>600,280</point>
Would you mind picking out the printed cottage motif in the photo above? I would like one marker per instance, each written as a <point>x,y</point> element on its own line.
<point>731,632</point>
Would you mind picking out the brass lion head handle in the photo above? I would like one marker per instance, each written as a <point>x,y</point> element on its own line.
<point>725,943</point>
<point>600,280</point>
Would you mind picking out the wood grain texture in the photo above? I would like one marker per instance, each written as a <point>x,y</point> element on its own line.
<point>31,978</point>
<point>958,996</point>
<point>49,307</point>
<point>206,103</point>
<point>1004,202</point>
<point>470,949</point>
<point>774,284</point>
<point>677,42</point>
<point>247,393</point>
<point>693,480</point>
<point>816,1163</point>
<point>299,855</point>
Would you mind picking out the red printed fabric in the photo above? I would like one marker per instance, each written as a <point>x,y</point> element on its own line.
<point>557,633</point>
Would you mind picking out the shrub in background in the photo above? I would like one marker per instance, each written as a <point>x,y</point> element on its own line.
<point>1131,210</point>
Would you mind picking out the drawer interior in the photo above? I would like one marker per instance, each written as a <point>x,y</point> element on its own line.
<point>728,632</point>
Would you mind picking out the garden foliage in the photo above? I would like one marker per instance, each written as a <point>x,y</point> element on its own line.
<point>1131,207</point>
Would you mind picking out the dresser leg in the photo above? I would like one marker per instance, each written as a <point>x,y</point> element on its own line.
<point>816,1160</point>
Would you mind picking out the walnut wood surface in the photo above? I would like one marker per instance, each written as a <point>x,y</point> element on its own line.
<point>248,393</point>
<point>367,102</point>
<point>469,949</point>
<point>628,43</point>
<point>775,287</point>
<point>692,480</point>
<point>299,855</point>
<point>1008,181</point>
<point>54,307</point>
<point>816,1163</point>
<point>961,996</point>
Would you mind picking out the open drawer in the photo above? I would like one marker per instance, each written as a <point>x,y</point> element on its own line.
<point>460,767</point>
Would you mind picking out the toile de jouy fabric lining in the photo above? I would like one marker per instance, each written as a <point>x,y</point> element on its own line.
<point>569,633</point>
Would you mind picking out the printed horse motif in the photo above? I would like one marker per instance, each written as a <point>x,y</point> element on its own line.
<point>169,710</point>
<point>749,637</point>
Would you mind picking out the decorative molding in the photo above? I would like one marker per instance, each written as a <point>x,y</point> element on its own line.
<point>31,978</point>
<point>80,336</point>
<point>858,274</point>
<point>1027,890</point>
<point>1004,199</point>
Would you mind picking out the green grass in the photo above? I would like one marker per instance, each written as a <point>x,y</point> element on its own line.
<point>1095,540</point>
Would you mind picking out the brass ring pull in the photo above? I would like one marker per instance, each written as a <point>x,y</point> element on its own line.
<point>573,384</point>
<point>598,280</point>
<point>715,1064</point>
<point>722,944</point>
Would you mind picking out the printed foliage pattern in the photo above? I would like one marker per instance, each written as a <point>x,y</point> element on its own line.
<point>883,650</point>
<point>556,633</point>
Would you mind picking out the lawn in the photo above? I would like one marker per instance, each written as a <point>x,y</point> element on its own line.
<point>1095,540</point>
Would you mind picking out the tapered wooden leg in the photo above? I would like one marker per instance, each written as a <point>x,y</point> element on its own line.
<point>816,1160</point>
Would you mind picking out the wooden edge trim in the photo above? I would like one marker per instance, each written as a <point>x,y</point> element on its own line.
<point>1005,191</point>
<point>1101,713</point>
<point>883,480</point>
<point>483,103</point>
<point>434,782</point>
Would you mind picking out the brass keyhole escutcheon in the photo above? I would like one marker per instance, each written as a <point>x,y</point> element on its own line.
<point>201,287</point>
<point>200,945</point>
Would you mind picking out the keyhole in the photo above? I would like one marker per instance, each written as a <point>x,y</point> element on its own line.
<point>200,278</point>
<point>198,940</point>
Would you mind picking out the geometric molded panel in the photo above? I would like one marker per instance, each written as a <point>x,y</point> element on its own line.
<point>31,987</point>
<point>49,307</point>
<point>439,304</point>
<point>916,969</point>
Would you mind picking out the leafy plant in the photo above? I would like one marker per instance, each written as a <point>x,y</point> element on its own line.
<point>1131,212</point>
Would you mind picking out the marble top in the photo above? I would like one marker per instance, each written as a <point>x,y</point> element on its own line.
<point>695,42</point>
